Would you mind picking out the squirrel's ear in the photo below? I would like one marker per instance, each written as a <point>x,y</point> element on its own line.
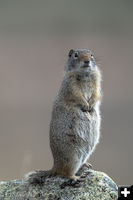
<point>70,52</point>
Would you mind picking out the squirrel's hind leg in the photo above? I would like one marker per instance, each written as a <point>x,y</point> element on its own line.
<point>88,165</point>
<point>73,181</point>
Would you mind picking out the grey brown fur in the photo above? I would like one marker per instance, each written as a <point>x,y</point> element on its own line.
<point>75,123</point>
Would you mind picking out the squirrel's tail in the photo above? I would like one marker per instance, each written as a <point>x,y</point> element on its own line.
<point>38,177</point>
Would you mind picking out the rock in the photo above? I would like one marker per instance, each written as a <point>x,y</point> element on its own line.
<point>97,186</point>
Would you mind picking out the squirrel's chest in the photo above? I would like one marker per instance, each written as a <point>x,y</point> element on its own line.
<point>86,91</point>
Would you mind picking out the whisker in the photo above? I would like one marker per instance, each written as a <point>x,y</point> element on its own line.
<point>97,59</point>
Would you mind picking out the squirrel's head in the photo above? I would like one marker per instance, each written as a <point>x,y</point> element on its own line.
<point>80,60</point>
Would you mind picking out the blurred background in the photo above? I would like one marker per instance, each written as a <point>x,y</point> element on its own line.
<point>35,38</point>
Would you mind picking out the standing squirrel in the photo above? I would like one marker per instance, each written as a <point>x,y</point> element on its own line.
<point>75,123</point>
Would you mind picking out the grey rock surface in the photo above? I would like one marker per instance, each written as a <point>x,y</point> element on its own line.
<point>97,186</point>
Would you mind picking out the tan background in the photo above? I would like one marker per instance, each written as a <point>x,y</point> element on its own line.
<point>35,37</point>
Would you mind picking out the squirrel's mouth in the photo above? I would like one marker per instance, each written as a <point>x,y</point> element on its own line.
<point>86,63</point>
<point>86,66</point>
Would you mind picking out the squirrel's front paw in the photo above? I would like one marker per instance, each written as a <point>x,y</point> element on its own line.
<point>85,108</point>
<point>91,110</point>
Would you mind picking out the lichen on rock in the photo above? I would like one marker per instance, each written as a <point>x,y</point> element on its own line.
<point>97,186</point>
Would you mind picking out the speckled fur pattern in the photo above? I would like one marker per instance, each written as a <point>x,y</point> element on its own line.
<point>75,122</point>
<point>74,134</point>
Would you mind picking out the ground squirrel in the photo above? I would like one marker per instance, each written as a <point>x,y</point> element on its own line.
<point>75,123</point>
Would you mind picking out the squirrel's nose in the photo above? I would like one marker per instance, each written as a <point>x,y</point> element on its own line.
<point>86,62</point>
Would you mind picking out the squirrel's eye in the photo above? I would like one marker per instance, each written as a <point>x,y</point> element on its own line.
<point>76,54</point>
